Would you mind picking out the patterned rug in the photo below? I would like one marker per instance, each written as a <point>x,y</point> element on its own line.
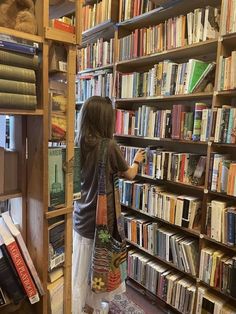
<point>122,305</point>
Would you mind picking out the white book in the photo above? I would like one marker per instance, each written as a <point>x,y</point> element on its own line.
<point>217,208</point>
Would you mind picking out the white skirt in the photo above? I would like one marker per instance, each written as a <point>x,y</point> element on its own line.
<point>81,291</point>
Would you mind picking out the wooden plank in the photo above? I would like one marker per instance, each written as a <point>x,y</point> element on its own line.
<point>58,212</point>
<point>21,35</point>
<point>58,35</point>
<point>78,20</point>
<point>15,194</point>
<point>37,112</point>
<point>71,69</point>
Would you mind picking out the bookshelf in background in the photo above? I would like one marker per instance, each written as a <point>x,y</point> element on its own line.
<point>176,65</point>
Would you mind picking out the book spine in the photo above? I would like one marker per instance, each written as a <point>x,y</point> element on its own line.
<point>17,47</point>
<point>17,74</point>
<point>19,60</point>
<point>15,87</point>
<point>17,101</point>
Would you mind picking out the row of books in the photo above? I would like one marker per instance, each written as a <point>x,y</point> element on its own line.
<point>176,32</point>
<point>98,83</point>
<point>131,8</point>
<point>208,302</point>
<point>18,276</point>
<point>159,164</point>
<point>157,201</point>
<point>222,174</point>
<point>167,78</point>
<point>227,73</point>
<point>64,23</point>
<point>220,222</point>
<point>165,243</point>
<point>18,65</point>
<point>95,14</point>
<point>218,270</point>
<point>96,55</point>
<point>180,122</point>
<point>228,17</point>
<point>162,281</point>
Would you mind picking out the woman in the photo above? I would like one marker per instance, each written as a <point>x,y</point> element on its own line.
<point>96,123</point>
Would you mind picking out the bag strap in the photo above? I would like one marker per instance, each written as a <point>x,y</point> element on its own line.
<point>101,211</point>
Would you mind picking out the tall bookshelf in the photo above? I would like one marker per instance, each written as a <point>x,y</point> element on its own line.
<point>205,50</point>
<point>209,50</point>
<point>31,138</point>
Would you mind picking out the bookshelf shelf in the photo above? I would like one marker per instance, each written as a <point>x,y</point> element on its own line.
<point>11,195</point>
<point>58,35</point>
<point>202,48</point>
<point>37,112</point>
<point>150,294</point>
<point>231,197</point>
<point>165,98</point>
<point>229,40</point>
<point>195,187</point>
<point>21,35</point>
<point>169,140</point>
<point>64,8</point>
<point>230,248</point>
<point>161,14</point>
<point>108,66</point>
<point>58,212</point>
<point>224,145</point>
<point>226,93</point>
<point>161,259</point>
<point>105,30</point>
<point>190,231</point>
<point>218,291</point>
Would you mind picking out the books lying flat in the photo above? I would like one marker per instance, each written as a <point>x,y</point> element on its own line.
<point>18,101</point>
<point>18,59</point>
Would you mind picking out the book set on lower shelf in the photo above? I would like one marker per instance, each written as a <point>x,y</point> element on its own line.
<point>174,95</point>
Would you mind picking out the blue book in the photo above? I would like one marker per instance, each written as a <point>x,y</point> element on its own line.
<point>231,227</point>
<point>17,47</point>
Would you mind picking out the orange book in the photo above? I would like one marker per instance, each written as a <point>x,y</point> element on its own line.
<point>145,236</point>
<point>172,210</point>
<point>134,231</point>
<point>183,41</point>
<point>218,184</point>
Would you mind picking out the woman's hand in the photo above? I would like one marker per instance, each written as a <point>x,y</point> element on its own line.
<point>139,156</point>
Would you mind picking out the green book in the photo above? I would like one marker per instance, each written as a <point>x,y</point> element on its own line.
<point>56,176</point>
<point>199,69</point>
<point>17,101</point>
<point>77,175</point>
<point>16,87</point>
<point>9,72</point>
<point>19,60</point>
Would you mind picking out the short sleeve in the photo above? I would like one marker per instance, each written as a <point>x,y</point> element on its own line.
<point>117,160</point>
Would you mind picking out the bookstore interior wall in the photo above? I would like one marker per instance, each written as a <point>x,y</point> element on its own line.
<point>169,67</point>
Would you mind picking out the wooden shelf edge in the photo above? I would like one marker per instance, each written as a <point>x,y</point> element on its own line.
<point>223,245</point>
<point>21,35</point>
<point>169,140</point>
<point>58,212</point>
<point>161,55</point>
<point>104,67</point>
<point>165,98</point>
<point>15,194</point>
<point>59,35</point>
<point>100,27</point>
<point>190,231</point>
<point>171,265</point>
<point>37,112</point>
<point>218,194</point>
<point>217,290</point>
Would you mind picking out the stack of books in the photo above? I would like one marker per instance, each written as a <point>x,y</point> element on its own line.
<point>18,275</point>
<point>182,122</point>
<point>187,168</point>
<point>18,65</point>
<point>228,17</point>
<point>225,125</point>
<point>227,72</point>
<point>162,281</point>
<point>176,32</point>
<point>65,23</point>
<point>167,78</point>
<point>173,247</point>
<point>220,222</point>
<point>98,83</point>
<point>157,201</point>
<point>96,55</point>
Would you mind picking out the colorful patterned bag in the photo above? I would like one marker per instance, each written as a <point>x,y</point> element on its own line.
<point>109,265</point>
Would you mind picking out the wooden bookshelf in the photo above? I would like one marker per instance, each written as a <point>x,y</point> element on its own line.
<point>14,194</point>
<point>105,67</point>
<point>58,35</point>
<point>21,35</point>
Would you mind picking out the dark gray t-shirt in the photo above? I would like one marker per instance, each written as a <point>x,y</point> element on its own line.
<point>85,208</point>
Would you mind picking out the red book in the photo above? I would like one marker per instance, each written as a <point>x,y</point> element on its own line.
<point>63,26</point>
<point>135,51</point>
<point>19,263</point>
<point>119,121</point>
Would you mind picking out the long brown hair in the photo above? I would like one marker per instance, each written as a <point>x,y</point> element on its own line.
<point>96,120</point>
